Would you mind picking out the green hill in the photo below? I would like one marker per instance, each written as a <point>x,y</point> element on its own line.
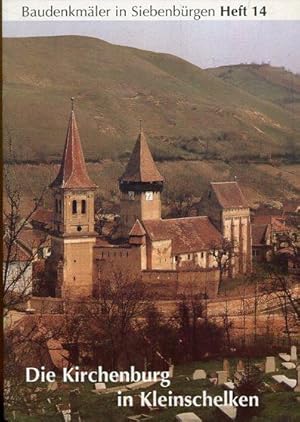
<point>273,84</point>
<point>188,113</point>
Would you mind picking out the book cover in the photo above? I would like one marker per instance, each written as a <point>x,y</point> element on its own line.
<point>151,210</point>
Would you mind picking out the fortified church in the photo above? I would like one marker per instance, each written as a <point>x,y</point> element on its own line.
<point>144,243</point>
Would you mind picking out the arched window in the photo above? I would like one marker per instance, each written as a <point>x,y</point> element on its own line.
<point>74,207</point>
<point>83,206</point>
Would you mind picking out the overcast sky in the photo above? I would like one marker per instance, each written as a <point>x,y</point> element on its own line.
<point>206,44</point>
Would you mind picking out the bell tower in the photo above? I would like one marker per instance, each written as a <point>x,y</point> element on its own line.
<point>141,185</point>
<point>73,235</point>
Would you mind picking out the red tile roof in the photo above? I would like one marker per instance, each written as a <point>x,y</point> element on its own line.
<point>291,206</point>
<point>137,229</point>
<point>73,172</point>
<point>259,234</point>
<point>141,166</point>
<point>32,238</point>
<point>16,253</point>
<point>277,223</point>
<point>190,234</point>
<point>42,215</point>
<point>229,195</point>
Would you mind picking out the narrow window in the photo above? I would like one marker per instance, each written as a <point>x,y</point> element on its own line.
<point>56,205</point>
<point>83,206</point>
<point>74,207</point>
<point>60,207</point>
<point>189,256</point>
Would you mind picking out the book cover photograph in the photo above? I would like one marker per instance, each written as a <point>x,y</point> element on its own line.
<point>151,210</point>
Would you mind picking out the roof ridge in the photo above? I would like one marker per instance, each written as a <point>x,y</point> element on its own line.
<point>182,218</point>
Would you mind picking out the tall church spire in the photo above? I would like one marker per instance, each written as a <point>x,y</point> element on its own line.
<point>73,172</point>
<point>141,167</point>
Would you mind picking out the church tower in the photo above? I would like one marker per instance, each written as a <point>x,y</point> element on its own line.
<point>73,235</point>
<point>140,186</point>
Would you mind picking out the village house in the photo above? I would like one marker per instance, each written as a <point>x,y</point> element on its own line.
<point>274,239</point>
<point>144,243</point>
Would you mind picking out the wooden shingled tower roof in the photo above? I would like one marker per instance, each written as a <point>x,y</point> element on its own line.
<point>73,172</point>
<point>141,167</point>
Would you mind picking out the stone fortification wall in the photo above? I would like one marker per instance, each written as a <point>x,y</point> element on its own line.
<point>170,284</point>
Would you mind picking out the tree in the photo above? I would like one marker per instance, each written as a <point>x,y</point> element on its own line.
<point>227,323</point>
<point>122,300</point>
<point>17,282</point>
<point>180,204</point>
<point>249,385</point>
<point>28,342</point>
<point>197,334</point>
<point>223,253</point>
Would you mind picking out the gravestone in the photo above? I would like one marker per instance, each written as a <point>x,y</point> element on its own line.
<point>270,365</point>
<point>100,386</point>
<point>222,377</point>
<point>285,357</point>
<point>65,410</point>
<point>240,366</point>
<point>229,385</point>
<point>187,417</point>
<point>298,379</point>
<point>52,386</point>
<point>226,366</point>
<point>199,374</point>
<point>288,365</point>
<point>293,353</point>
<point>229,411</point>
<point>237,378</point>
<point>288,382</point>
<point>171,371</point>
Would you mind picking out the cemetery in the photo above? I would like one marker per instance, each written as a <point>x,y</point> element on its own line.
<point>278,389</point>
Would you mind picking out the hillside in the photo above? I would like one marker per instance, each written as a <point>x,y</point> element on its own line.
<point>188,113</point>
<point>273,84</point>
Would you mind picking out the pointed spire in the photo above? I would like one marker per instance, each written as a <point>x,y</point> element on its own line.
<point>73,172</point>
<point>141,166</point>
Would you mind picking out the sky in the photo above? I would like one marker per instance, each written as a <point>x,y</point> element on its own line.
<point>206,44</point>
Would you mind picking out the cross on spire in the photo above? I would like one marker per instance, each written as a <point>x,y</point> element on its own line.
<point>72,103</point>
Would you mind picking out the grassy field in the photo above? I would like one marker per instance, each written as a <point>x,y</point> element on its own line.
<point>279,405</point>
<point>187,112</point>
<point>274,84</point>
